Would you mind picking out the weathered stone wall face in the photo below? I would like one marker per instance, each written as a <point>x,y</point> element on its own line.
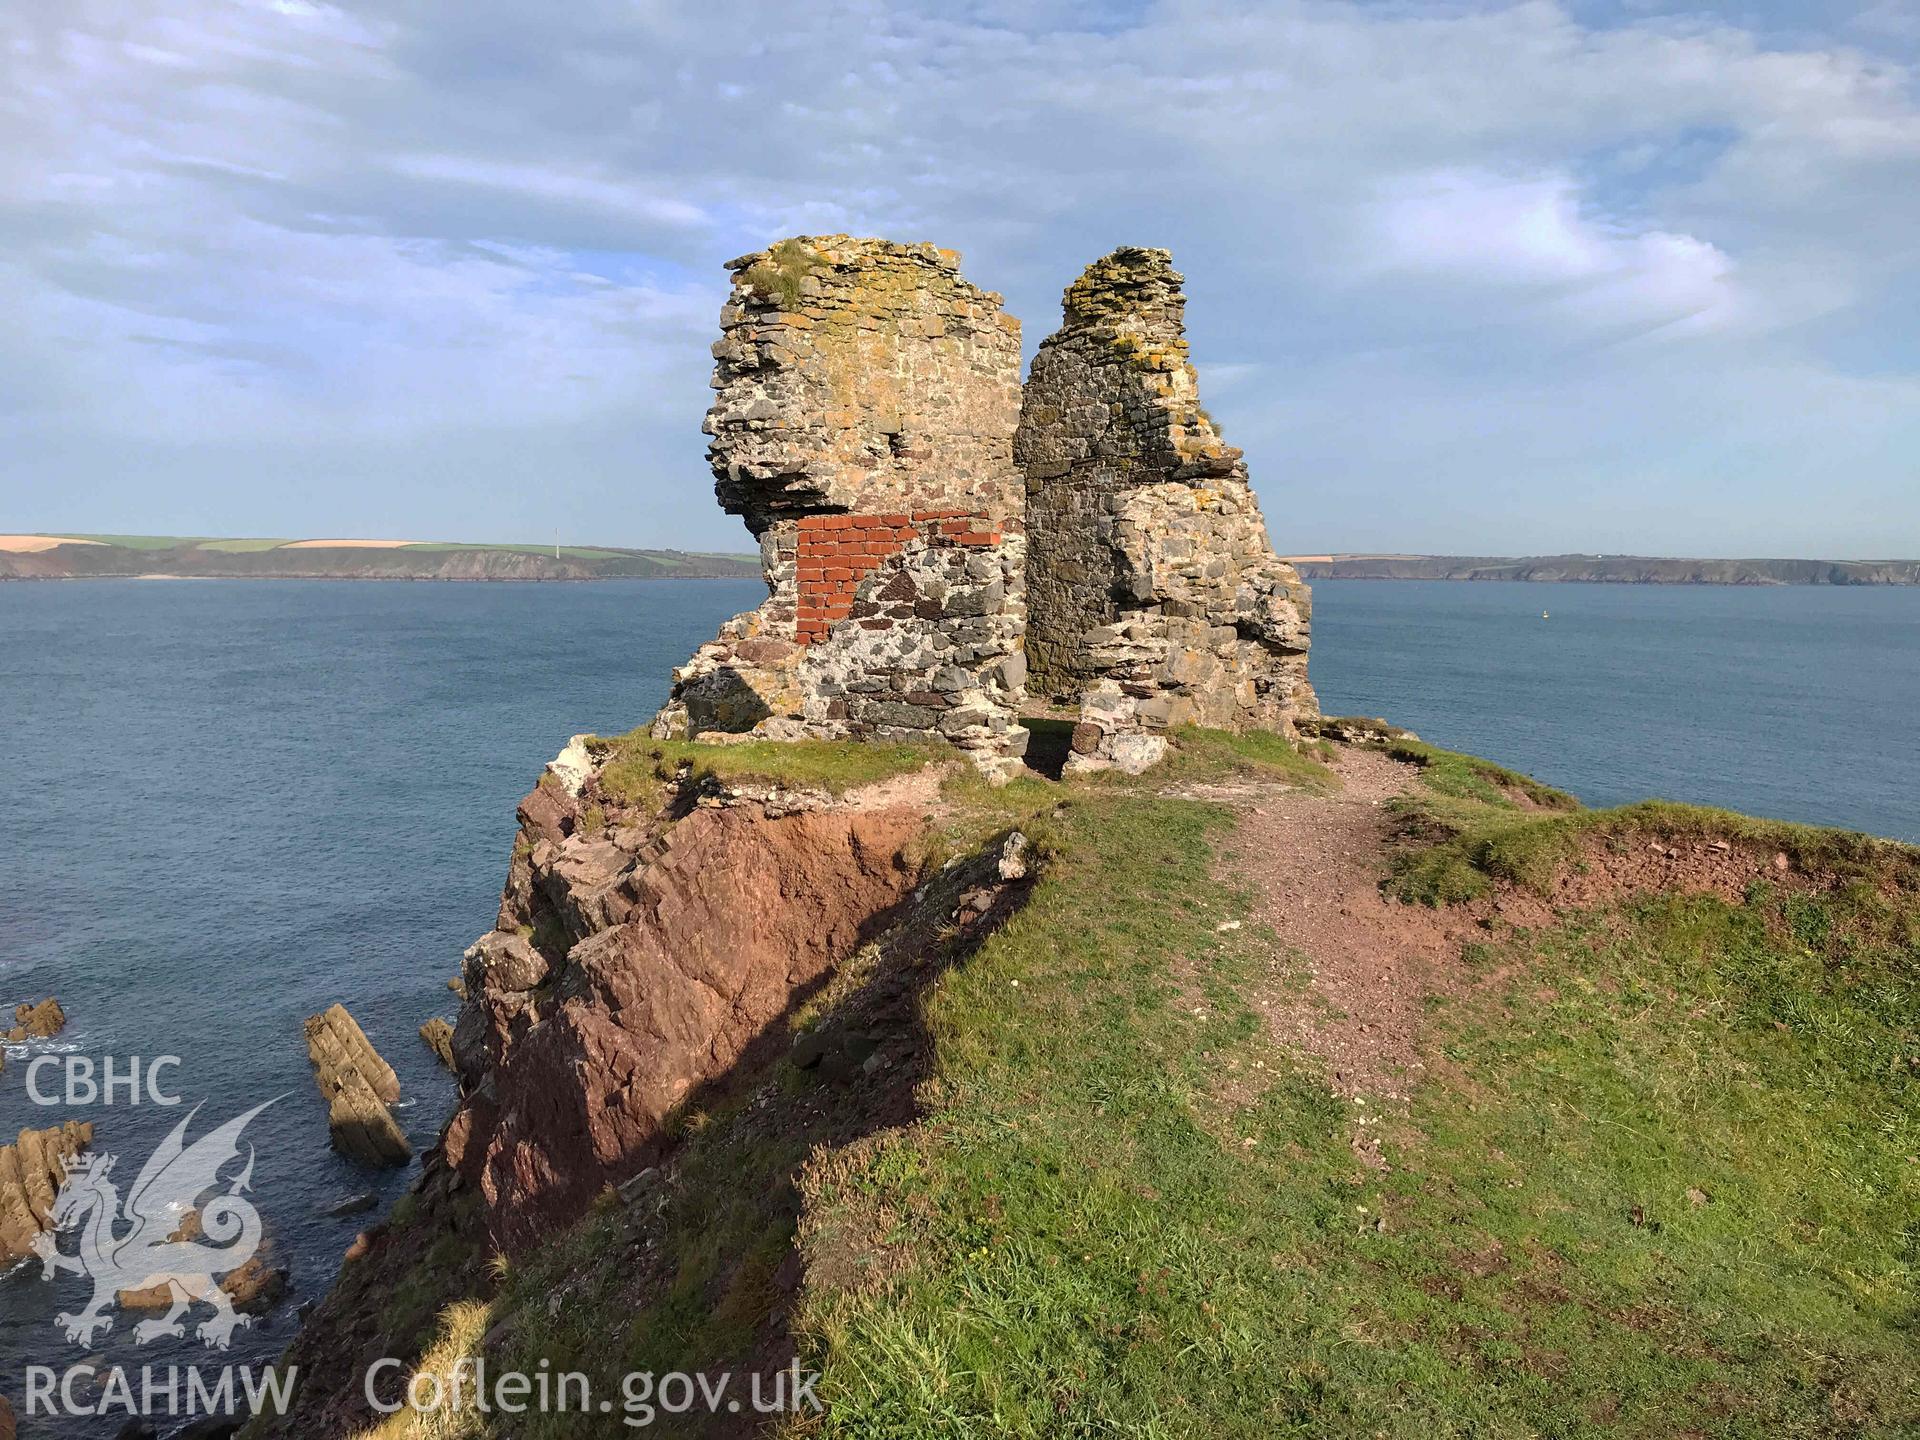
<point>866,398</point>
<point>1154,595</point>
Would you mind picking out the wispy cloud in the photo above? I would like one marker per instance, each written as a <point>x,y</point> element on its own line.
<point>1432,248</point>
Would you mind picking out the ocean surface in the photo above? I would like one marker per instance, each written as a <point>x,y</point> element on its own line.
<point>1800,703</point>
<point>231,804</point>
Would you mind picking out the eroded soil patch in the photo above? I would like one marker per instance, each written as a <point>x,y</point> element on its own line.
<point>1315,862</point>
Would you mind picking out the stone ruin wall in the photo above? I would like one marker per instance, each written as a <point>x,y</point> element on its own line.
<point>870,426</point>
<point>866,398</point>
<point>1154,595</point>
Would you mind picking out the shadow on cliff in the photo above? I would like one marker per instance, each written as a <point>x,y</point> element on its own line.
<point>693,1264</point>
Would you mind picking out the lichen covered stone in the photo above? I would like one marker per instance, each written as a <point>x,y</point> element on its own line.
<point>1154,596</point>
<point>865,402</point>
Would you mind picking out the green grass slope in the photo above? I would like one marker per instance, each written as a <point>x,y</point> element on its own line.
<point>1664,1181</point>
<point>1662,1176</point>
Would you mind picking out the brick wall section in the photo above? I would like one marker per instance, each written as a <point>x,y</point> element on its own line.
<point>837,552</point>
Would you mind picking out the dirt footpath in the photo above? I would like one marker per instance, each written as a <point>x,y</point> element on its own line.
<point>1316,862</point>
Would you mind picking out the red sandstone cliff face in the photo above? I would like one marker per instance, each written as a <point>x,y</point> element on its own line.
<point>655,958</point>
<point>636,958</point>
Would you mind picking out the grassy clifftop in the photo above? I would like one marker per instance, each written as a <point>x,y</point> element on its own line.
<point>1636,1150</point>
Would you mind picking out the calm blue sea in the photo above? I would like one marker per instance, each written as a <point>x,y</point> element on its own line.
<point>230,804</point>
<point>1801,703</point>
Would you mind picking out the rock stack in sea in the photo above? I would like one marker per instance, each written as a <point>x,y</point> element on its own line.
<point>438,1034</point>
<point>36,1022</point>
<point>32,1170</point>
<point>358,1086</point>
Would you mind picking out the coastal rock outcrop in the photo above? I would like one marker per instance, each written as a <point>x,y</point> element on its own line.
<point>358,1086</point>
<point>674,930</point>
<point>255,1287</point>
<point>665,947</point>
<point>1154,595</point>
<point>32,1169</point>
<point>866,398</point>
<point>36,1022</point>
<point>438,1035</point>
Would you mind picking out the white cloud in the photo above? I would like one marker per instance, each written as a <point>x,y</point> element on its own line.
<point>617,197</point>
<point>482,231</point>
<point>1531,236</point>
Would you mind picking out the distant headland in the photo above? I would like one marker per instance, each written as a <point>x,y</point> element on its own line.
<point>1608,569</point>
<point>66,557</point>
<point>77,556</point>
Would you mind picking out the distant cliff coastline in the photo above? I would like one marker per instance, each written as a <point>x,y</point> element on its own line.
<point>53,557</point>
<point>1609,569</point>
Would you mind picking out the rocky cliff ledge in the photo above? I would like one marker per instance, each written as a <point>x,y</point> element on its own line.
<point>639,951</point>
<point>1347,1087</point>
<point>680,926</point>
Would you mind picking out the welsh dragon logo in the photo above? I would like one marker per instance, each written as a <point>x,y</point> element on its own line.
<point>150,1253</point>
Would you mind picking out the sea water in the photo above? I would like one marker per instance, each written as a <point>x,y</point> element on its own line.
<point>230,804</point>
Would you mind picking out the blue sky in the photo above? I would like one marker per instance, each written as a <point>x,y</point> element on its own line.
<point>1461,278</point>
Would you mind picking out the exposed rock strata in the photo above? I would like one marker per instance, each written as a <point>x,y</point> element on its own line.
<point>359,1086</point>
<point>255,1287</point>
<point>36,1022</point>
<point>1155,598</point>
<point>866,397</point>
<point>664,950</point>
<point>32,1170</point>
<point>438,1035</point>
<point>855,1029</point>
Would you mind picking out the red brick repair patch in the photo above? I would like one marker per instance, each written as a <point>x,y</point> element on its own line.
<point>838,551</point>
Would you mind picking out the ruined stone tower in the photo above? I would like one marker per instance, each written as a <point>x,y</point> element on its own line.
<point>1154,596</point>
<point>866,399</point>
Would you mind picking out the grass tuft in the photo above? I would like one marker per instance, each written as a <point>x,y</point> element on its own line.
<point>1468,777</point>
<point>781,277</point>
<point>1203,754</point>
<point>1477,823</point>
<point>639,769</point>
